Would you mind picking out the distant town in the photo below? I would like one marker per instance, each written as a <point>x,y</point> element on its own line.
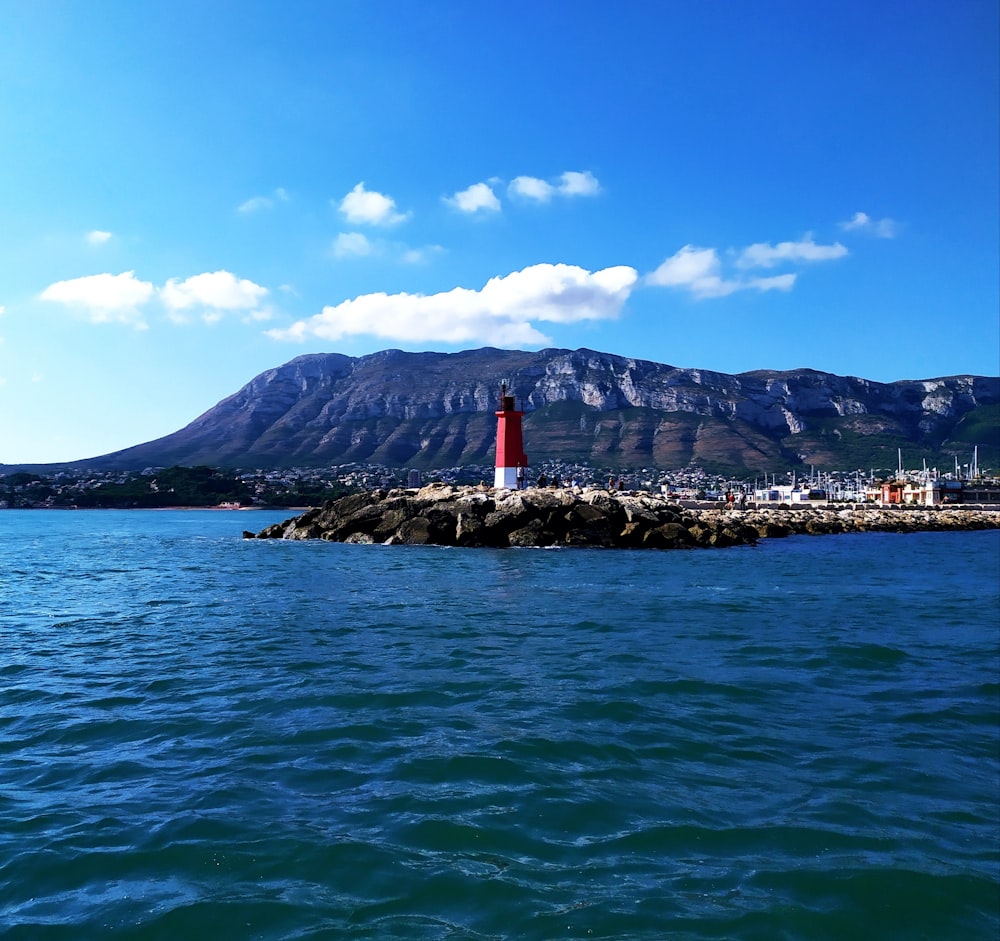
<point>302,487</point>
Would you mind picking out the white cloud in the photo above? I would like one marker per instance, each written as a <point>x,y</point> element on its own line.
<point>216,292</point>
<point>765,255</point>
<point>106,298</point>
<point>256,203</point>
<point>574,183</point>
<point>420,256</point>
<point>501,313</point>
<point>359,245</point>
<point>2,310</point>
<point>570,183</point>
<point>698,270</point>
<point>348,244</point>
<point>97,237</point>
<point>479,196</point>
<point>531,187</point>
<point>366,207</point>
<point>880,228</point>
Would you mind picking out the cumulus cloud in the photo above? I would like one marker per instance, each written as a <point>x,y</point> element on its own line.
<point>501,313</point>
<point>349,244</point>
<point>104,298</point>
<point>880,228</point>
<point>97,237</point>
<point>257,203</point>
<point>570,183</point>
<point>574,183</point>
<point>765,255</point>
<point>120,298</point>
<point>215,293</point>
<point>530,187</point>
<point>367,207</point>
<point>478,197</point>
<point>699,271</point>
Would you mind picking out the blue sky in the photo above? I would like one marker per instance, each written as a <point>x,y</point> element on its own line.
<point>194,192</point>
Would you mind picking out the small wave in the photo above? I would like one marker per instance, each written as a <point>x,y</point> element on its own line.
<point>866,656</point>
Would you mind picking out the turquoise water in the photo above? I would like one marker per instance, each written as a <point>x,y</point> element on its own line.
<point>205,737</point>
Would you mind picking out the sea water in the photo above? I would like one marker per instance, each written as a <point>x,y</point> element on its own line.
<point>206,737</point>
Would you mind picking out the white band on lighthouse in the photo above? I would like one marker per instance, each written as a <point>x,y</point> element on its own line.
<point>506,477</point>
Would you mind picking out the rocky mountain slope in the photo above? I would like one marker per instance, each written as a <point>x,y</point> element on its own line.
<point>430,410</point>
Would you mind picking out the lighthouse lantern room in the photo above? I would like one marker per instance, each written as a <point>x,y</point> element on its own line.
<point>511,459</point>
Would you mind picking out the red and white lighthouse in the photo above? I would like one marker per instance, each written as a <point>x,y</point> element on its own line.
<point>512,462</point>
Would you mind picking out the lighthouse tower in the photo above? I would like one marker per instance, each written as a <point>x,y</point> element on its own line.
<point>510,447</point>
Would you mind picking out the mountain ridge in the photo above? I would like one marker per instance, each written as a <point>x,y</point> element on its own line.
<point>431,410</point>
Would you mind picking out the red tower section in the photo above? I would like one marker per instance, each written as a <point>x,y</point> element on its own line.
<point>511,459</point>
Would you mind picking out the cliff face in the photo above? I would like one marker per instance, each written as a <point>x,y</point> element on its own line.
<point>436,410</point>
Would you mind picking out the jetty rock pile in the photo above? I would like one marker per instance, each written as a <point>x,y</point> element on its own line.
<point>440,514</point>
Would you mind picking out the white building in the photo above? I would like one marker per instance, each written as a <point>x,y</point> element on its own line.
<point>790,495</point>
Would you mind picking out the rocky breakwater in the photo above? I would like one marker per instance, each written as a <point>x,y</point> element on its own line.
<point>855,518</point>
<point>439,514</point>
